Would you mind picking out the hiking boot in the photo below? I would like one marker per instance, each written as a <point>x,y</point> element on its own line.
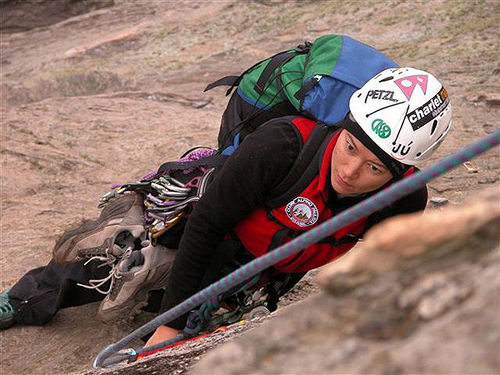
<point>6,311</point>
<point>98,237</point>
<point>134,277</point>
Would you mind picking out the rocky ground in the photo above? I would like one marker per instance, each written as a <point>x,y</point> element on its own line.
<point>104,94</point>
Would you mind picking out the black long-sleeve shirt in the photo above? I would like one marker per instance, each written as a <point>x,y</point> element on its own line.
<point>259,164</point>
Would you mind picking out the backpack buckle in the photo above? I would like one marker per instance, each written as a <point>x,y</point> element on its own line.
<point>304,47</point>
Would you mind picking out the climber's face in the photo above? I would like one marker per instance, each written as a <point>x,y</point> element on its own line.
<point>354,168</point>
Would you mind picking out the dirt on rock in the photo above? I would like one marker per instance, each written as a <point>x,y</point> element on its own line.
<point>106,95</point>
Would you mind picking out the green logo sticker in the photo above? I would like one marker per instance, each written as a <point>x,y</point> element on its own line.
<point>381,128</point>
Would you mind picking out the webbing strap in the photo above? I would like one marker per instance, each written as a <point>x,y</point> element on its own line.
<point>304,169</point>
<point>212,161</point>
<point>348,238</point>
<point>224,81</point>
<point>277,61</point>
<point>233,81</point>
<point>299,95</point>
<point>278,238</point>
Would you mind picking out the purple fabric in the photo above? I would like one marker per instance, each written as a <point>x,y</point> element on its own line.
<point>148,176</point>
<point>197,154</point>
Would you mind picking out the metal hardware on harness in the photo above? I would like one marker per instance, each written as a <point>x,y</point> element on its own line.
<point>258,312</point>
<point>161,227</point>
<point>129,355</point>
<point>166,199</point>
<point>250,304</point>
<point>166,209</point>
<point>120,189</point>
<point>176,185</point>
<point>110,194</point>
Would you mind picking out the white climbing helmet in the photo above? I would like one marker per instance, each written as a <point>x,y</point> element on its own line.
<point>405,111</point>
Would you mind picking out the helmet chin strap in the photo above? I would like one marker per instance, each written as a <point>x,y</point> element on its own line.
<point>340,196</point>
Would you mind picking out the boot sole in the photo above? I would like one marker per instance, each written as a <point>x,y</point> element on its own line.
<point>4,324</point>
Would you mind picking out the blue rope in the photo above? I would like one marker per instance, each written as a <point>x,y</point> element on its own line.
<point>196,318</point>
<point>364,208</point>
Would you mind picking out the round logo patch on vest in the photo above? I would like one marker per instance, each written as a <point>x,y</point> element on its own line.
<point>302,212</point>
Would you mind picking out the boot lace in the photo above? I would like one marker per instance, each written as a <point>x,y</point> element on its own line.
<point>113,275</point>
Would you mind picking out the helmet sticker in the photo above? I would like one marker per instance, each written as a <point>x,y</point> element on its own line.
<point>430,110</point>
<point>401,149</point>
<point>407,84</point>
<point>403,111</point>
<point>381,95</point>
<point>381,128</point>
<point>434,126</point>
<point>302,212</point>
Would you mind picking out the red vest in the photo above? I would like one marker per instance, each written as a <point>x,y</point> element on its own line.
<point>260,230</point>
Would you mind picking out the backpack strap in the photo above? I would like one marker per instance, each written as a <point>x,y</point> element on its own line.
<point>276,61</point>
<point>305,167</point>
<point>306,87</point>
<point>225,81</point>
<point>234,81</point>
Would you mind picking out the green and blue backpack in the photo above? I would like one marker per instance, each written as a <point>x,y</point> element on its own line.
<point>314,80</point>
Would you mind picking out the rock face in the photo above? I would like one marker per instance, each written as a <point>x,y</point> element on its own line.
<point>421,296</point>
<point>27,14</point>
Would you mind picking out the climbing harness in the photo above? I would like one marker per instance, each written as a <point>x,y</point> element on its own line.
<point>111,354</point>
